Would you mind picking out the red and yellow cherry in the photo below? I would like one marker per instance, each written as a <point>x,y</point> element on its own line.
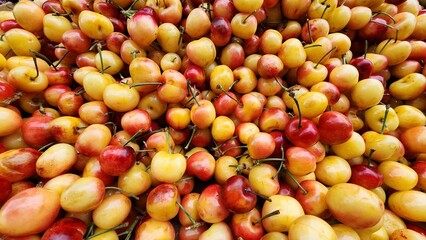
<point>201,52</point>
<point>408,204</point>
<point>168,167</point>
<point>313,202</point>
<point>357,199</point>
<point>300,161</point>
<point>70,227</point>
<point>197,23</point>
<point>260,145</point>
<point>237,194</point>
<point>386,147</point>
<point>220,230</point>
<point>420,167</point>
<point>116,159</point>
<point>249,109</point>
<point>149,230</point>
<point>247,225</point>
<point>201,164</point>
<point>334,128</point>
<point>367,176</point>
<point>210,206</point>
<point>308,226</point>
<point>161,202</point>
<point>398,176</point>
<point>91,189</point>
<point>48,166</point>
<point>333,170</point>
<point>264,180</point>
<point>203,114</point>
<point>61,182</point>
<point>232,55</point>
<point>143,36</point>
<point>15,170</point>
<point>408,87</point>
<point>302,132</point>
<point>289,209</point>
<point>371,86</point>
<point>244,25</point>
<point>44,208</point>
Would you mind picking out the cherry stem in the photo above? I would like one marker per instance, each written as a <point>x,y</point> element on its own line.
<point>133,137</point>
<point>292,95</point>
<point>36,67</point>
<point>193,93</point>
<point>325,55</point>
<point>114,127</point>
<point>194,223</point>
<point>295,180</point>
<point>384,13</point>
<point>41,108</point>
<point>227,94</point>
<point>46,146</point>
<point>230,148</point>
<point>60,60</point>
<point>325,9</point>
<point>370,155</point>
<point>79,92</point>
<point>220,145</point>
<point>312,46</point>
<point>144,150</point>
<point>250,14</point>
<point>309,30</point>
<point>37,54</point>
<point>134,53</point>
<point>344,59</point>
<point>123,191</point>
<point>129,230</point>
<point>182,30</point>
<point>109,230</point>
<point>365,49</point>
<point>99,48</point>
<point>194,128</point>
<point>385,118</point>
<point>141,84</point>
<point>259,161</point>
<point>169,147</point>
<point>281,163</point>
<point>184,179</point>
<point>246,190</point>
<point>239,168</point>
<point>384,46</point>
<point>384,24</point>
<point>276,212</point>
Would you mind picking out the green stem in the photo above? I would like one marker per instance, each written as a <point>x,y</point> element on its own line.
<point>123,191</point>
<point>276,212</point>
<point>325,55</point>
<point>385,118</point>
<point>109,230</point>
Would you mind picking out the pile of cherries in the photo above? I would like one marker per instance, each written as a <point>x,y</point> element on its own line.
<point>214,119</point>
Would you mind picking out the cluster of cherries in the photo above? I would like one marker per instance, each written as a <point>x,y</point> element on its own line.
<point>224,119</point>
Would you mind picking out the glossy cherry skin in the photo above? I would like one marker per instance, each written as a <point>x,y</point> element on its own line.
<point>364,66</point>
<point>304,135</point>
<point>334,128</point>
<point>116,160</point>
<point>366,176</point>
<point>237,194</point>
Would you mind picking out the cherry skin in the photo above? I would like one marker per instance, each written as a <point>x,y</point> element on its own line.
<point>366,176</point>
<point>334,128</point>
<point>364,66</point>
<point>237,194</point>
<point>116,160</point>
<point>303,134</point>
